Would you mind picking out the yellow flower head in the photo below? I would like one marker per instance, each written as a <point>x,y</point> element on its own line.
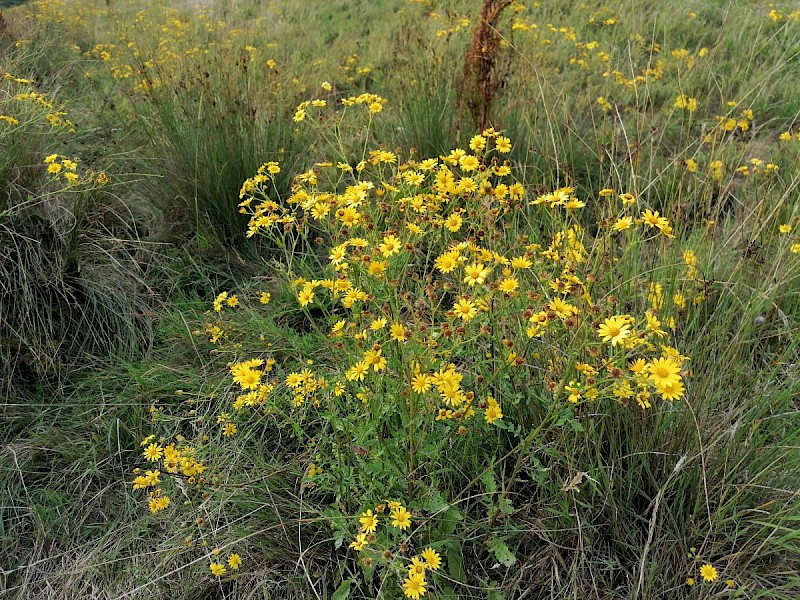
<point>708,572</point>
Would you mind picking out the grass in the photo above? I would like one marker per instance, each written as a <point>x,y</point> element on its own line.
<point>106,291</point>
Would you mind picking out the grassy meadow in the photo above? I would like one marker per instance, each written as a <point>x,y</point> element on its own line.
<point>399,299</point>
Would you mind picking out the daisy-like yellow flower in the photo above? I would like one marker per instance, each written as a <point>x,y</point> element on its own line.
<point>653,219</point>
<point>398,332</point>
<point>230,429</point>
<point>493,412</point>
<point>465,309</point>
<point>502,144</point>
<point>414,586</point>
<point>708,572</point>
<point>521,262</point>
<point>614,329</point>
<point>154,452</point>
<point>217,569</point>
<point>391,245</point>
<point>359,543</point>
<point>673,390</point>
<point>357,371</point>
<point>306,296</point>
<point>475,273</point>
<point>378,267</point>
<point>417,567</point>
<point>446,262</point>
<point>157,502</point>
<point>401,518</point>
<point>378,324</point>
<point>420,383</point>
<point>477,143</point>
<point>234,561</point>
<point>265,297</point>
<point>508,285</point>
<point>368,522</point>
<point>453,222</point>
<point>622,224</point>
<point>468,162</point>
<point>432,558</point>
<point>664,372</point>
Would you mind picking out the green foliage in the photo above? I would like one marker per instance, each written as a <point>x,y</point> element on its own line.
<point>105,287</point>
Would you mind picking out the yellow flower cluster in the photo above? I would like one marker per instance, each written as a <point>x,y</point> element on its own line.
<point>174,460</point>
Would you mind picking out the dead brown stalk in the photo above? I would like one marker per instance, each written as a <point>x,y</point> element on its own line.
<point>479,78</point>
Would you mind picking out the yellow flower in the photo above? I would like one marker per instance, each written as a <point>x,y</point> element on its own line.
<point>521,262</point>
<point>477,143</point>
<point>465,309</point>
<point>417,567</point>
<point>234,561</point>
<point>475,273</point>
<point>378,324</point>
<point>378,267</point>
<point>622,223</point>
<point>785,228</point>
<point>708,572</point>
<point>414,586</point>
<point>493,412</point>
<point>432,558</point>
<point>468,162</point>
<point>420,383</point>
<point>401,518</point>
<point>359,543</point>
<point>398,332</point>
<point>453,222</point>
<point>673,390</point>
<point>306,296</point>
<point>265,297</point>
<point>664,372</point>
<point>614,329</point>
<point>230,429</point>
<point>357,371</point>
<point>153,452</point>
<point>508,285</point>
<point>502,144</point>
<point>368,522</point>
<point>446,262</point>
<point>157,502</point>
<point>217,569</point>
<point>390,246</point>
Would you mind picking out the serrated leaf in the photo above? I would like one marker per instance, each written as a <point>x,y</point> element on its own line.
<point>489,482</point>
<point>505,506</point>
<point>501,552</point>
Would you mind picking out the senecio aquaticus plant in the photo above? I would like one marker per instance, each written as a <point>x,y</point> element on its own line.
<point>463,312</point>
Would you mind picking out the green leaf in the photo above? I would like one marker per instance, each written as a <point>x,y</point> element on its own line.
<point>489,482</point>
<point>343,591</point>
<point>455,567</point>
<point>501,552</point>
